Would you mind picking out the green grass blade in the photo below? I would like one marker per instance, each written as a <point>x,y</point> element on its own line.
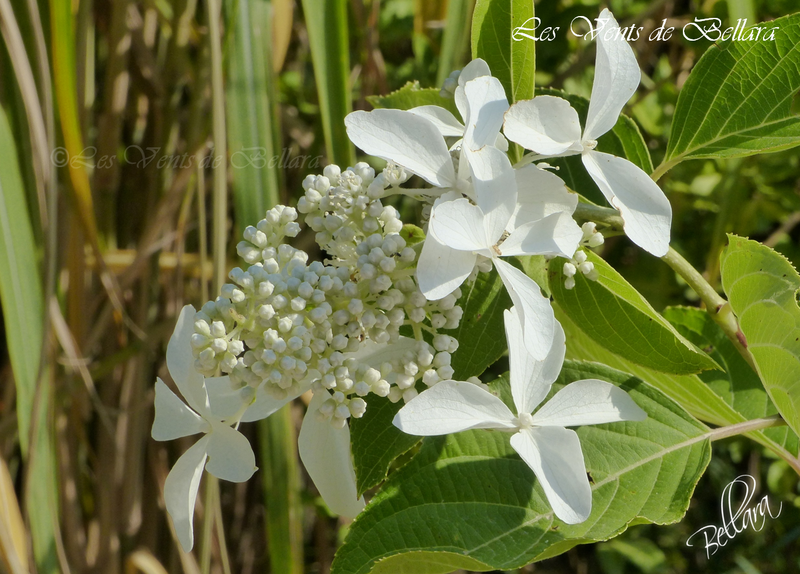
<point>251,126</point>
<point>249,118</point>
<point>22,300</point>
<point>455,38</point>
<point>281,481</point>
<point>326,21</point>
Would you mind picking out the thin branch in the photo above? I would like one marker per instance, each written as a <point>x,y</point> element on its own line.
<point>717,307</point>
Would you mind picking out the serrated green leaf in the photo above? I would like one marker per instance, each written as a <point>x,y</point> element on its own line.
<point>762,289</point>
<point>737,383</point>
<point>615,315</point>
<point>511,61</point>
<point>376,442</point>
<point>689,391</point>
<point>623,140</point>
<point>471,496</point>
<point>412,95</point>
<point>427,563</point>
<point>481,334</point>
<point>737,100</point>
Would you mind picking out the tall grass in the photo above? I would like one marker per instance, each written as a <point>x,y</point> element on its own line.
<point>137,139</point>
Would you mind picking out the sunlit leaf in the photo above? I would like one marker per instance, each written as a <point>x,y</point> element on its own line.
<point>738,99</point>
<point>615,315</point>
<point>762,288</point>
<point>468,501</point>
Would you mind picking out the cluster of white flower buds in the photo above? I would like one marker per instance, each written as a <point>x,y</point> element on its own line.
<point>578,263</point>
<point>284,323</point>
<point>591,237</point>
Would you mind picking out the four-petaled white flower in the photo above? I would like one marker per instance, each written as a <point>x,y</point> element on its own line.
<point>224,452</point>
<point>415,139</point>
<point>460,232</point>
<point>228,453</point>
<point>552,451</point>
<point>550,127</point>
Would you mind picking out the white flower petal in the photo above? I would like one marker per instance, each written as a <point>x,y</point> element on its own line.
<point>588,402</point>
<point>616,77</point>
<point>555,235</point>
<point>265,404</point>
<point>547,125</point>
<point>440,269</point>
<point>535,312</point>
<point>173,418</point>
<point>459,225</point>
<point>325,452</point>
<point>453,406</point>
<point>180,491</point>
<point>376,354</point>
<point>461,103</point>
<point>230,456</point>
<point>531,379</point>
<point>501,143</point>
<point>555,456</point>
<point>495,187</point>
<point>644,208</point>
<point>180,362</point>
<point>475,69</point>
<point>445,122</point>
<point>487,103</point>
<point>540,193</point>
<point>405,138</point>
<point>224,399</point>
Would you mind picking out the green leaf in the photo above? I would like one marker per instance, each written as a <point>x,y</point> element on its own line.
<point>376,442</point>
<point>469,496</point>
<point>249,114</point>
<point>513,62</point>
<point>615,315</point>
<point>412,234</point>
<point>762,289</point>
<point>412,96</point>
<point>737,100</point>
<point>327,23</point>
<point>623,140</point>
<point>737,383</point>
<point>23,313</point>
<point>689,391</point>
<point>481,334</point>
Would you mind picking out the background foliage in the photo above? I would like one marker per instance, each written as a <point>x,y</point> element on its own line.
<point>138,137</point>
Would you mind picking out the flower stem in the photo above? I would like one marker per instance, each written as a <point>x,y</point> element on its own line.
<point>751,426</point>
<point>748,426</point>
<point>663,168</point>
<point>717,307</point>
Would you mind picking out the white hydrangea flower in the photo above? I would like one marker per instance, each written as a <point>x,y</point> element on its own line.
<point>552,451</point>
<point>285,326</point>
<point>415,139</point>
<point>223,451</point>
<point>550,127</point>
<point>461,233</point>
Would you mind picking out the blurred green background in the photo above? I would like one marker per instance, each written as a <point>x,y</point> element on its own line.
<point>138,138</point>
